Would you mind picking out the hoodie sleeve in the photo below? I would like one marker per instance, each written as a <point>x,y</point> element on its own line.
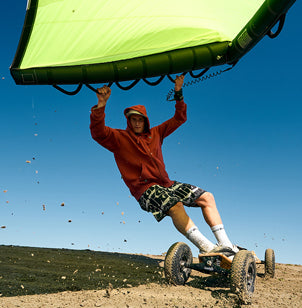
<point>180,117</point>
<point>104,135</point>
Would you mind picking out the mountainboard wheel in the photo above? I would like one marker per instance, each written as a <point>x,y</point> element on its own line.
<point>243,275</point>
<point>269,263</point>
<point>178,257</point>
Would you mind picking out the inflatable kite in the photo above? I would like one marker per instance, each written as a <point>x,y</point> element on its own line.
<point>100,41</point>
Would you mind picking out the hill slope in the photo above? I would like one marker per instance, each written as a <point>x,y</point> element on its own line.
<point>40,277</point>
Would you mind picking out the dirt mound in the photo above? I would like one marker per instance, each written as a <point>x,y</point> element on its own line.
<point>35,277</point>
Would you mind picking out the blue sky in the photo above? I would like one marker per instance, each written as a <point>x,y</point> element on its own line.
<point>242,142</point>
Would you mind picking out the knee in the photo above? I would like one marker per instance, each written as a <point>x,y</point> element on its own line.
<point>206,200</point>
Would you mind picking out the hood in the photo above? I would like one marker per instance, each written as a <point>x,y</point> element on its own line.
<point>142,110</point>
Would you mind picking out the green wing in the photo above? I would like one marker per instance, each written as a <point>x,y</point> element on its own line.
<point>97,41</point>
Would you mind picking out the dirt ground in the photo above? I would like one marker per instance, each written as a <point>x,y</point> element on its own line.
<point>201,290</point>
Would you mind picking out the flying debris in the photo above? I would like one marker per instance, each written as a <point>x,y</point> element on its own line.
<point>122,213</point>
<point>5,191</point>
<point>62,204</point>
<point>69,220</point>
<point>3,227</point>
<point>153,39</point>
<point>44,208</point>
<point>28,162</point>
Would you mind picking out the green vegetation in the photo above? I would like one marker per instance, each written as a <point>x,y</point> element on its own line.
<point>27,270</point>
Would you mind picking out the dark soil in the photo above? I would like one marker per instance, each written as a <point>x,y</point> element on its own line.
<point>40,277</point>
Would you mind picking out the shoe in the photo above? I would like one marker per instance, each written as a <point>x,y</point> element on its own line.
<point>225,250</point>
<point>201,252</point>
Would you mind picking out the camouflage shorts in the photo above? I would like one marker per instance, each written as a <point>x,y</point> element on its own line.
<point>158,199</point>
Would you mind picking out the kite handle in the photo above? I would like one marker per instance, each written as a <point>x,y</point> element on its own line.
<point>155,83</point>
<point>173,80</point>
<point>281,21</point>
<point>94,89</point>
<point>76,91</point>
<point>127,87</point>
<point>200,74</point>
<point>170,78</point>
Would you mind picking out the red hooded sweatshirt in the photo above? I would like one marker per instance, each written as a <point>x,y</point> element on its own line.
<point>138,156</point>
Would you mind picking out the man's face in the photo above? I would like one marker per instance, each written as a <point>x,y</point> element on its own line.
<point>137,123</point>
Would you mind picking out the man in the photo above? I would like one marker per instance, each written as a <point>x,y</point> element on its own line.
<point>137,152</point>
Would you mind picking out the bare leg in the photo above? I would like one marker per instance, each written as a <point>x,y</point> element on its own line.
<point>211,215</point>
<point>186,226</point>
<point>181,220</point>
<point>209,210</point>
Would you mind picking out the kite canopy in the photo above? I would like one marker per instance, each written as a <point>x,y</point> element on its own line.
<point>100,41</point>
